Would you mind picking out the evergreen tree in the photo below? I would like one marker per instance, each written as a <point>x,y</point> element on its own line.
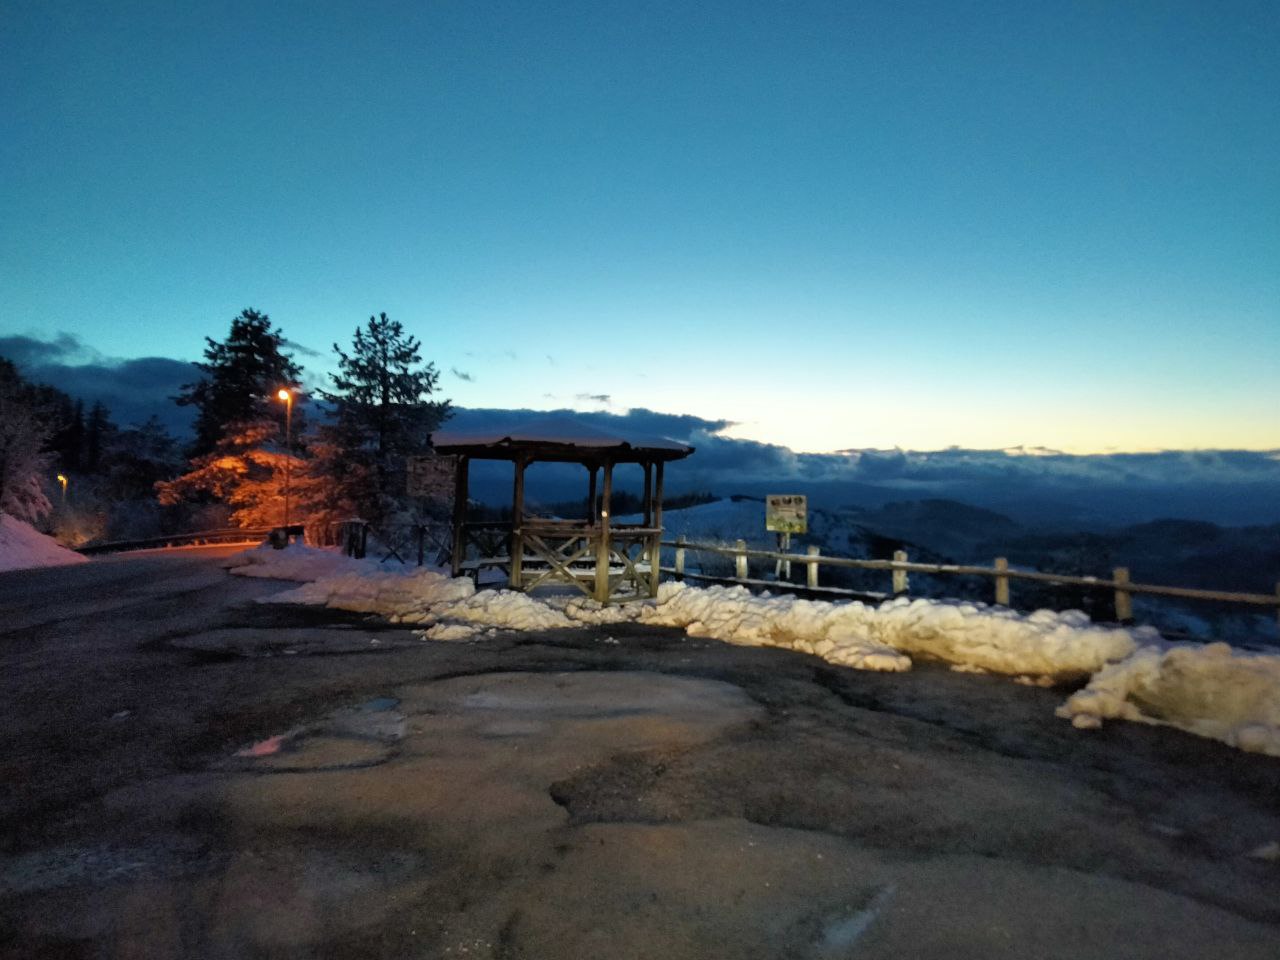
<point>24,433</point>
<point>382,414</point>
<point>140,457</point>
<point>99,432</point>
<point>246,470</point>
<point>241,377</point>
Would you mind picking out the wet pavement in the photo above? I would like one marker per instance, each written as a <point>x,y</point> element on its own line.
<point>192,774</point>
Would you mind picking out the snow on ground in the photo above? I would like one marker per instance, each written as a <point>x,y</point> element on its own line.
<point>295,562</point>
<point>23,546</point>
<point>1211,691</point>
<point>1058,645</point>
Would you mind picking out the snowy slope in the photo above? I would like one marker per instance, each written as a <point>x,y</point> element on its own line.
<point>22,547</point>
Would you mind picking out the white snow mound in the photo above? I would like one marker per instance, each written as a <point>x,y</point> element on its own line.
<point>23,547</point>
<point>401,595</point>
<point>294,562</point>
<point>1044,643</point>
<point>1212,691</point>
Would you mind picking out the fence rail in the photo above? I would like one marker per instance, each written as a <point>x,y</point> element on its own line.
<point>200,538</point>
<point>900,566</point>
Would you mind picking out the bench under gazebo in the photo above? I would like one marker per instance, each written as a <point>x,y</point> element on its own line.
<point>604,559</point>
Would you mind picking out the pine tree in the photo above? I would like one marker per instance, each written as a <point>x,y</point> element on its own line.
<point>382,414</point>
<point>99,432</point>
<point>245,470</point>
<point>24,433</point>
<point>241,377</point>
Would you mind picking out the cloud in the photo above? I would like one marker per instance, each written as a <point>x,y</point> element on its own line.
<point>1037,486</point>
<point>64,348</point>
<point>462,375</point>
<point>305,351</point>
<point>593,397</point>
<point>132,390</point>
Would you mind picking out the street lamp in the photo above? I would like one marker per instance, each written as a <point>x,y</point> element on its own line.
<point>63,480</point>
<point>287,397</point>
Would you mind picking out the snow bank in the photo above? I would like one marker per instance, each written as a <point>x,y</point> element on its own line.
<point>404,595</point>
<point>294,562</point>
<point>1212,691</point>
<point>22,546</point>
<point>994,639</point>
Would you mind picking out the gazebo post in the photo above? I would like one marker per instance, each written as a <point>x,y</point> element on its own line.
<point>648,492</point>
<point>591,497</point>
<point>602,544</point>
<point>655,542</point>
<point>460,492</point>
<point>517,522</point>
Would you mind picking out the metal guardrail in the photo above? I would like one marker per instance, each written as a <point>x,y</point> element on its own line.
<point>200,538</point>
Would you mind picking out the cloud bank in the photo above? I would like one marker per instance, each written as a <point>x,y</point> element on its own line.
<point>1035,486</point>
<point>132,390</point>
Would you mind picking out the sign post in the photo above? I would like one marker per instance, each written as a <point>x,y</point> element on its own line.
<point>785,514</point>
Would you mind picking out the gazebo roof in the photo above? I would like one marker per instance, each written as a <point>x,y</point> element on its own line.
<point>558,438</point>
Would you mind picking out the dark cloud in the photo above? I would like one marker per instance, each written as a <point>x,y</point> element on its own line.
<point>303,350</point>
<point>593,397</point>
<point>462,375</point>
<point>64,348</point>
<point>1037,486</point>
<point>133,390</point>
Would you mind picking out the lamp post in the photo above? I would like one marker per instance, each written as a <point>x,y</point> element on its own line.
<point>287,397</point>
<point>63,481</point>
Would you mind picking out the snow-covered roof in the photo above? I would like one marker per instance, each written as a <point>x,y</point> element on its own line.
<point>558,438</point>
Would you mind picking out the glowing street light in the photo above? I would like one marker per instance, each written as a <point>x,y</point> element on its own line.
<point>287,397</point>
<point>63,480</point>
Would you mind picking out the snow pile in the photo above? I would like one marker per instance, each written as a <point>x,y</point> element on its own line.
<point>294,562</point>
<point>422,596</point>
<point>508,609</point>
<point>1212,691</point>
<point>401,595</point>
<point>22,547</point>
<point>994,639</point>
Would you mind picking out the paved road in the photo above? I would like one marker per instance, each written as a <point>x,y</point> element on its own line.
<point>190,774</point>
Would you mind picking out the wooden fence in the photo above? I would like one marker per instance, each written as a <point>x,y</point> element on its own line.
<point>900,567</point>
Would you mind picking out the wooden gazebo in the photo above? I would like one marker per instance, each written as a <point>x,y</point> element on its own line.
<point>603,559</point>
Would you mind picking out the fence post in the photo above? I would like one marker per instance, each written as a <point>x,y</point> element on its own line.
<point>811,572</point>
<point>1002,583</point>
<point>740,561</point>
<point>1124,599</point>
<point>680,542</point>
<point>899,576</point>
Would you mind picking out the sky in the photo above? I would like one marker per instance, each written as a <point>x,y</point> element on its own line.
<point>833,225</point>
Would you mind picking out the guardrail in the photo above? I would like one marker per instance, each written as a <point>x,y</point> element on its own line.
<point>200,538</point>
<point>900,566</point>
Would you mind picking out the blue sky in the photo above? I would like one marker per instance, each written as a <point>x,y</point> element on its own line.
<point>836,224</point>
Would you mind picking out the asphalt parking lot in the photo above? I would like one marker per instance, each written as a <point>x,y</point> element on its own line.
<point>189,773</point>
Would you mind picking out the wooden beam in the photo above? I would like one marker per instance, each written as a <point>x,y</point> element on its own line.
<point>460,493</point>
<point>648,493</point>
<point>655,548</point>
<point>591,498</point>
<point>602,544</point>
<point>517,526</point>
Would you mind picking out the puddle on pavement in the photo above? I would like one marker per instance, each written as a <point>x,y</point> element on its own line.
<point>363,736</point>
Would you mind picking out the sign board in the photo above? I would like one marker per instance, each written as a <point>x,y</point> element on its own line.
<point>430,476</point>
<point>786,513</point>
